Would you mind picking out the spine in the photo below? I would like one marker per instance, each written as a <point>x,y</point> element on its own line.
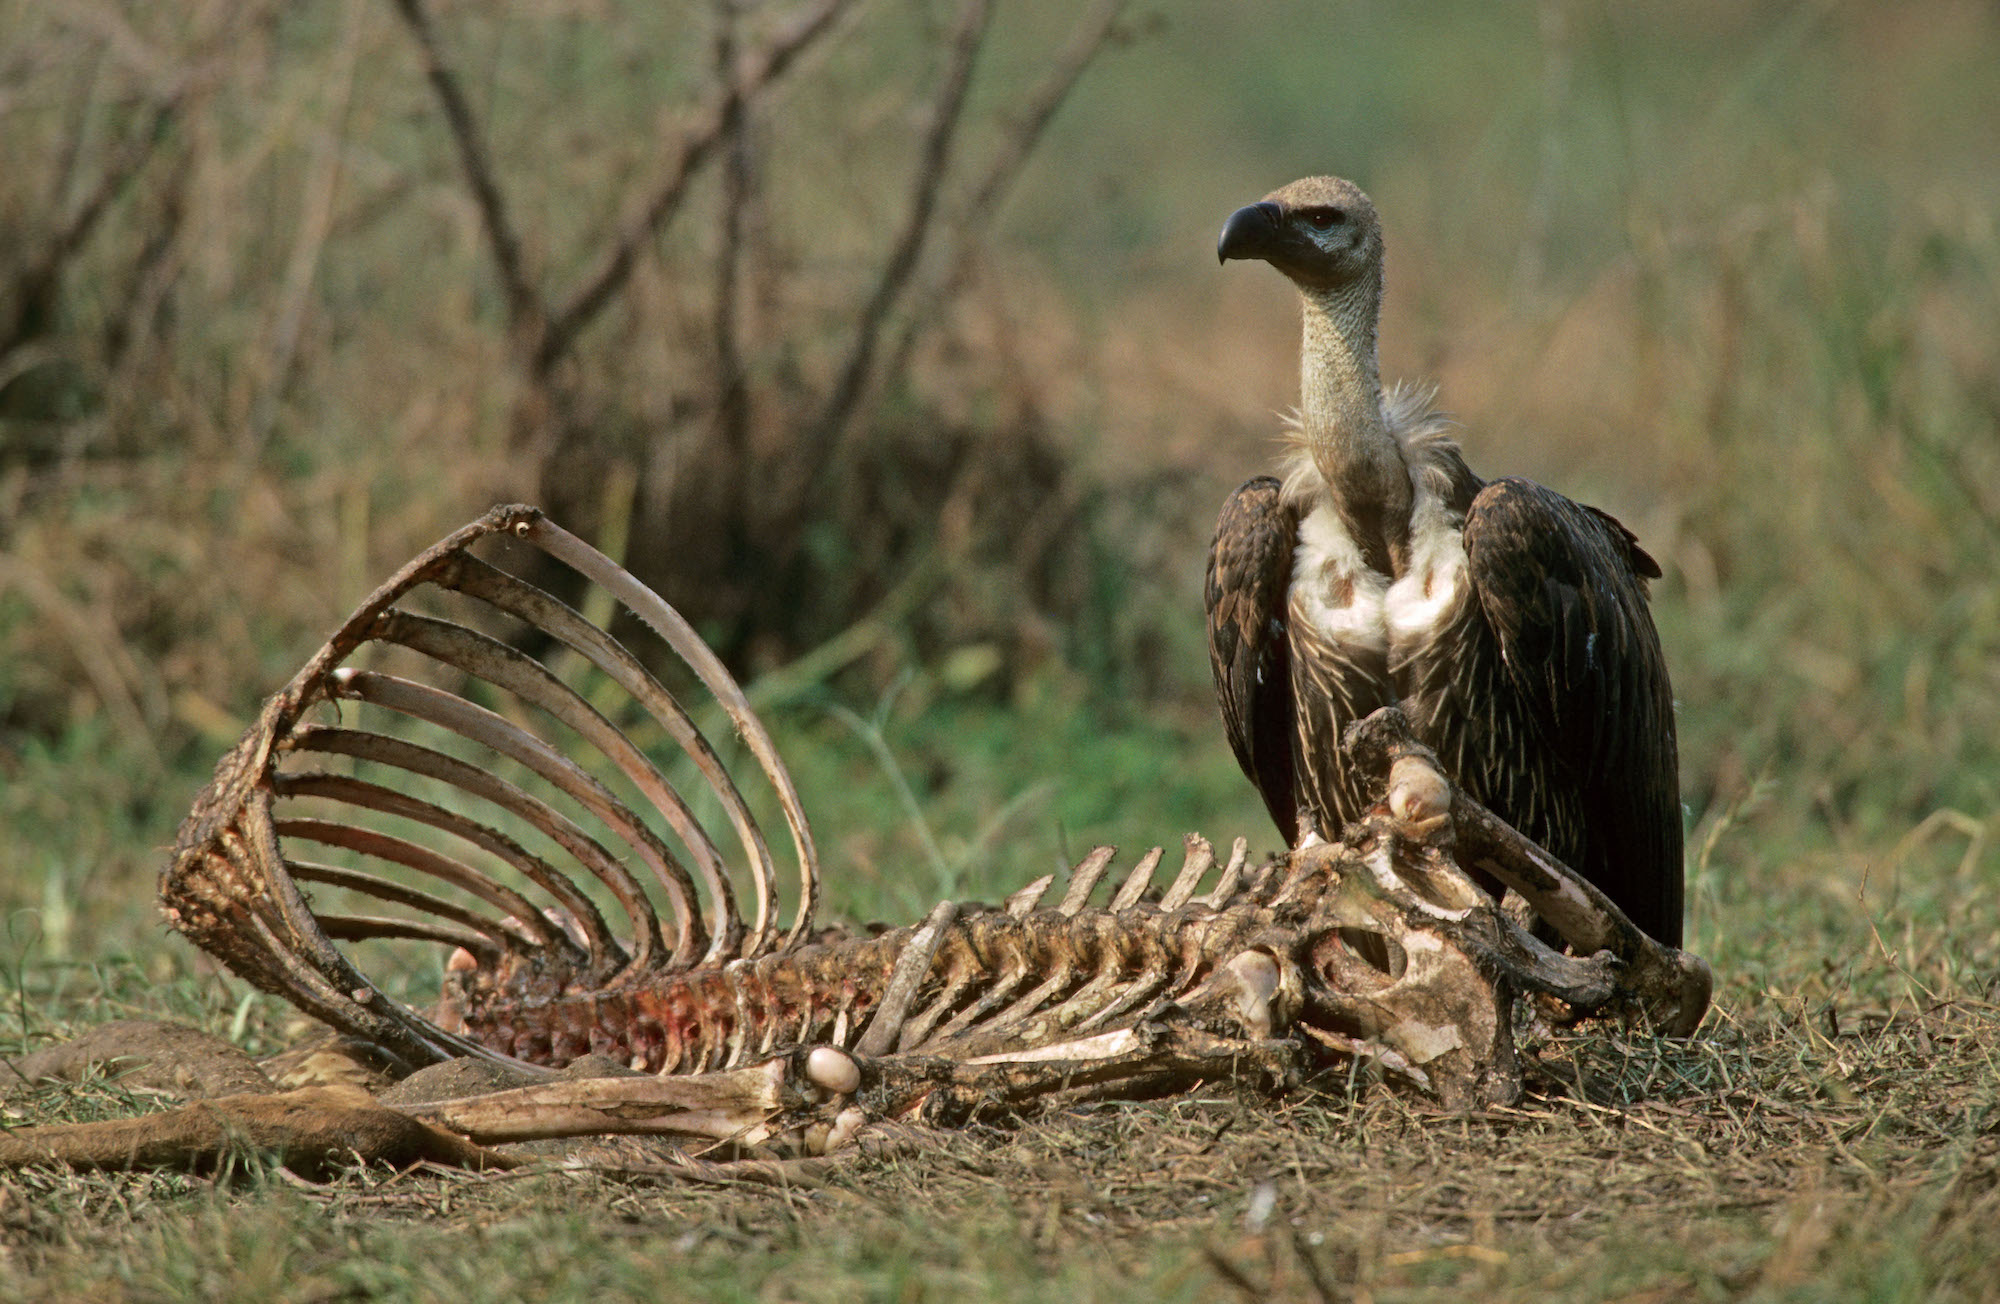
<point>994,978</point>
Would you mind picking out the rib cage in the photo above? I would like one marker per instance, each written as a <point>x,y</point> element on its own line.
<point>414,796</point>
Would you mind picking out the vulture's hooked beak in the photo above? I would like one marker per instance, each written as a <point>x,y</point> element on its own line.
<point>1250,232</point>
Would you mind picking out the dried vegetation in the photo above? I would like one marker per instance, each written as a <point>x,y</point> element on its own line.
<point>1727,271</point>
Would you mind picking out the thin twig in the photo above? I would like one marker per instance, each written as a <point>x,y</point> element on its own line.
<point>76,130</point>
<point>322,188</point>
<point>154,270</point>
<point>121,40</point>
<point>35,283</point>
<point>1093,32</point>
<point>821,440</point>
<point>732,414</point>
<point>703,132</point>
<point>525,311</point>
<point>1233,1275</point>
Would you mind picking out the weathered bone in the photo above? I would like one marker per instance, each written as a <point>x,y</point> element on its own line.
<point>1088,873</point>
<point>1200,859</point>
<point>1672,986</point>
<point>723,1106</point>
<point>1378,947</point>
<point>913,965</point>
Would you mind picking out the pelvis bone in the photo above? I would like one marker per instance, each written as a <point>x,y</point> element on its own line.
<point>475,788</point>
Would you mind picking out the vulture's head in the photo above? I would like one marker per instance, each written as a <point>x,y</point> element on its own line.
<point>1319,231</point>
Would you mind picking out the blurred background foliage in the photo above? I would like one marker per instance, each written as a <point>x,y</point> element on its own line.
<point>1731,272</point>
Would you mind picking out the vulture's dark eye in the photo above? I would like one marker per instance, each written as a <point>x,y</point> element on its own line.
<point>1325,219</point>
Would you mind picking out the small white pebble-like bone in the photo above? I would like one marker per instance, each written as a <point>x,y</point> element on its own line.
<point>833,1070</point>
<point>846,1125</point>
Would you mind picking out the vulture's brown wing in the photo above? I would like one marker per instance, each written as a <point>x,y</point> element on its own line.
<point>1249,572</point>
<point>1563,588</point>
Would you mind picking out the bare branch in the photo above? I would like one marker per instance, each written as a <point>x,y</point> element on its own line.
<point>36,283</point>
<point>524,307</point>
<point>322,187</point>
<point>154,269</point>
<point>121,40</point>
<point>819,443</point>
<point>1091,35</point>
<point>708,127</point>
<point>732,416</point>
<point>1093,32</point>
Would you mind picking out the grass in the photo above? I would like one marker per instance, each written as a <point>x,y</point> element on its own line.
<point>1730,272</point>
<point>1786,1154</point>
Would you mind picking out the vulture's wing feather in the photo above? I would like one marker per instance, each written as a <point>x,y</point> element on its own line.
<point>1563,587</point>
<point>1249,574</point>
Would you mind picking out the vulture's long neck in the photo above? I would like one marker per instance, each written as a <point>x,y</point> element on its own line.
<point>1340,402</point>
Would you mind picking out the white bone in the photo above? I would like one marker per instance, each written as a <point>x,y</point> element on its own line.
<point>1254,976</point>
<point>846,1125</point>
<point>833,1070</point>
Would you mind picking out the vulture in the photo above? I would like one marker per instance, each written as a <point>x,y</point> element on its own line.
<point>1508,622</point>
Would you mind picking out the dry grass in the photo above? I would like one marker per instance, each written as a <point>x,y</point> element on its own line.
<point>1788,1152</point>
<point>1731,272</point>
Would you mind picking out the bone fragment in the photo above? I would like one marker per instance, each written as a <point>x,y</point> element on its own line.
<point>1136,882</point>
<point>1673,986</point>
<point>1200,859</point>
<point>1103,1046</point>
<point>918,1028</point>
<point>998,995</point>
<point>1372,1052</point>
<point>311,1130</point>
<point>1021,904</point>
<point>1232,875</point>
<point>1254,978</point>
<point>846,1125</point>
<point>911,968</point>
<point>720,1105</point>
<point>1419,796</point>
<point>1085,877</point>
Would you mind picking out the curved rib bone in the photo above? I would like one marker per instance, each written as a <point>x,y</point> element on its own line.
<point>534,607</point>
<point>558,828</point>
<point>533,683</point>
<point>435,754</point>
<point>671,626</point>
